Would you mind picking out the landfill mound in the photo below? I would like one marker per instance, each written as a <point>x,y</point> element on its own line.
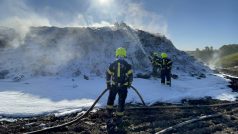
<point>73,51</point>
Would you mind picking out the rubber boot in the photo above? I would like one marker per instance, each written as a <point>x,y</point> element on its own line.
<point>168,83</point>
<point>119,125</point>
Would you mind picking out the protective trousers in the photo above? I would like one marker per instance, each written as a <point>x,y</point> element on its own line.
<point>166,75</point>
<point>122,93</point>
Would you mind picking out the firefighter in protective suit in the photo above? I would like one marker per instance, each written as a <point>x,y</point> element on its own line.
<point>166,66</point>
<point>119,78</point>
<point>155,60</point>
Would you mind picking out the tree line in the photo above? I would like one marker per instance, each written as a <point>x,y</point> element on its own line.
<point>208,54</point>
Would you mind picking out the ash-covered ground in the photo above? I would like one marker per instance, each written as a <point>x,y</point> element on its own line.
<point>138,121</point>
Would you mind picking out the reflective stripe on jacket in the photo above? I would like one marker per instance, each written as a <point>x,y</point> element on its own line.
<point>119,73</point>
<point>166,64</point>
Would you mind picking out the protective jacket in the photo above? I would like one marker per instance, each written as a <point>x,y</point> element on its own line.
<point>165,64</point>
<point>119,73</point>
<point>155,60</point>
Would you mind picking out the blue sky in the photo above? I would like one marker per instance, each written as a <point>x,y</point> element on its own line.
<point>189,24</point>
<point>197,23</point>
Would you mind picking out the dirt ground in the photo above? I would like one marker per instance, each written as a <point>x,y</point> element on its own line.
<point>138,121</point>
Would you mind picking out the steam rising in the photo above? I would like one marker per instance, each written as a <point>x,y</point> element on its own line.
<point>21,15</point>
<point>32,52</point>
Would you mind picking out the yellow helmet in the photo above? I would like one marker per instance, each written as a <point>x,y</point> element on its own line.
<point>164,55</point>
<point>121,52</point>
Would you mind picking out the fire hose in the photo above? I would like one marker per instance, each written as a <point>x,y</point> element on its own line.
<point>44,130</point>
<point>48,129</point>
<point>70,122</point>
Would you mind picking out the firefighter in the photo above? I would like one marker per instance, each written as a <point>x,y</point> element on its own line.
<point>155,60</point>
<point>166,66</point>
<point>119,78</point>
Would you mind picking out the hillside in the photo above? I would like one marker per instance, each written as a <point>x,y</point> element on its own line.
<point>228,49</point>
<point>225,56</point>
<point>228,61</point>
<point>229,64</point>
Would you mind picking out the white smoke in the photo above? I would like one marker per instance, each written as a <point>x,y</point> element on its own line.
<point>131,12</point>
<point>21,15</point>
<point>214,62</point>
<point>22,26</point>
